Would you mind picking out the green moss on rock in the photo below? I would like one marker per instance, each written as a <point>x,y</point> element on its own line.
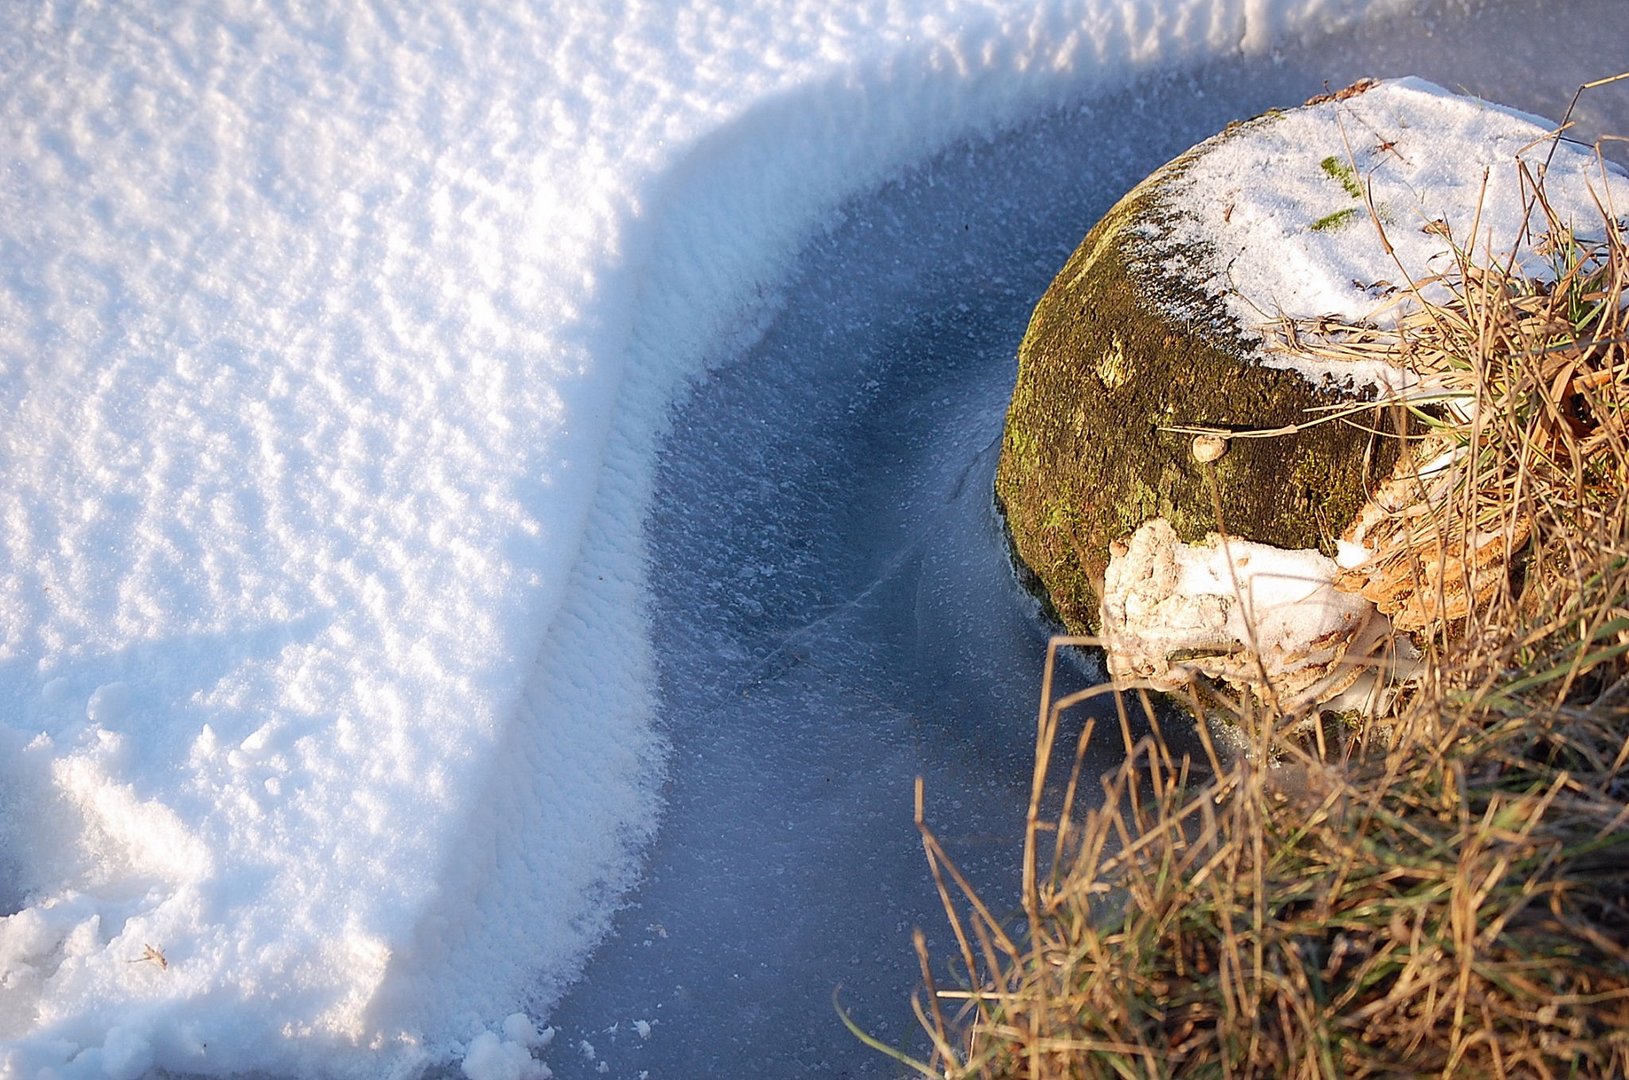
<point>1124,344</point>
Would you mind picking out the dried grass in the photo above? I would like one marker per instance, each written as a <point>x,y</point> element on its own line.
<point>1445,891</point>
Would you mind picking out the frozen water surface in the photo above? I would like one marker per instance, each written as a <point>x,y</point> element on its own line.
<point>835,614</point>
<point>343,578</point>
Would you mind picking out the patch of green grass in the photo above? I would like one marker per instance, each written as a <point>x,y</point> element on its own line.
<point>1342,173</point>
<point>1331,222</point>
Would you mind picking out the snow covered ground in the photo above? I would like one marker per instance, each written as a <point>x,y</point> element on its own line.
<point>336,349</point>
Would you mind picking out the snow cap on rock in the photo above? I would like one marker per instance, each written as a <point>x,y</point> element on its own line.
<point>1290,207</point>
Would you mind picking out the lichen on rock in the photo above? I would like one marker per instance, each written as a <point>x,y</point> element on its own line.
<point>1124,349</point>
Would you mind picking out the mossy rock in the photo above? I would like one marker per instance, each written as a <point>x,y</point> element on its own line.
<point>1126,344</point>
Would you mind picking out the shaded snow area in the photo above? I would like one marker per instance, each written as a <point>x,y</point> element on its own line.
<point>1330,210</point>
<point>375,640</point>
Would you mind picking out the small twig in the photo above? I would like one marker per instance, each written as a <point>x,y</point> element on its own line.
<point>151,955</point>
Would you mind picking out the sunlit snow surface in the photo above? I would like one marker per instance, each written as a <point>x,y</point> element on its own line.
<point>1282,210</point>
<point>335,349</point>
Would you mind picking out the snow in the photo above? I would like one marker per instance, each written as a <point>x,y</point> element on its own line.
<point>335,345</point>
<point>1281,207</point>
<point>490,1056</point>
